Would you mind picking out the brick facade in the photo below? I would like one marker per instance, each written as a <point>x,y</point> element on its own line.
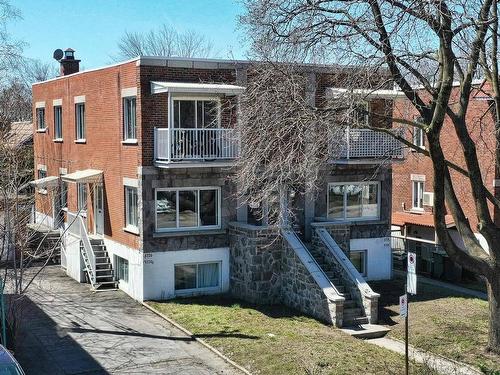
<point>481,127</point>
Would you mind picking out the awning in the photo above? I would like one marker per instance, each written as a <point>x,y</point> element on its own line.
<point>85,176</point>
<point>195,88</point>
<point>423,219</point>
<point>43,183</point>
<point>337,92</point>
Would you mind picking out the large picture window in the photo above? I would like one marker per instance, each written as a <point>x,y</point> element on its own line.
<point>354,201</point>
<point>195,113</point>
<point>197,276</point>
<point>178,209</point>
<point>129,118</point>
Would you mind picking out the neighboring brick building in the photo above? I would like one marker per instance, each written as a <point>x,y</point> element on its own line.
<point>412,199</point>
<point>144,150</point>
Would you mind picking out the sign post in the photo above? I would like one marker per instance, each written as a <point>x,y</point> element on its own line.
<point>410,287</point>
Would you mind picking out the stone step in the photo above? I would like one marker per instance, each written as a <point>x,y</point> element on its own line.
<point>349,304</point>
<point>366,331</point>
<point>353,321</point>
<point>353,311</point>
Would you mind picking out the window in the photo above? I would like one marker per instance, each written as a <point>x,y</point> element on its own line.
<point>353,201</point>
<point>131,217</point>
<point>360,112</point>
<point>129,118</point>
<point>418,136</point>
<point>81,197</point>
<point>196,113</point>
<point>42,173</point>
<point>121,265</point>
<point>187,208</point>
<point>80,120</point>
<point>40,118</point>
<point>358,260</point>
<point>197,276</point>
<point>58,122</point>
<point>418,195</point>
<point>64,194</point>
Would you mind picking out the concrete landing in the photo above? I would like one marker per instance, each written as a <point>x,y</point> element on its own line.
<point>366,331</point>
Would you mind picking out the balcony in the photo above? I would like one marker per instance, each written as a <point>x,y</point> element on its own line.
<point>368,146</point>
<point>190,147</point>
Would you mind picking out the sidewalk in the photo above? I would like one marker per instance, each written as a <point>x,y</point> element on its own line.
<point>440,364</point>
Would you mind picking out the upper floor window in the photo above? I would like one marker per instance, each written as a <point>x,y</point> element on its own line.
<point>354,201</point>
<point>360,113</point>
<point>80,120</point>
<point>187,208</point>
<point>129,118</point>
<point>58,122</point>
<point>40,118</point>
<point>131,209</point>
<point>196,113</point>
<point>419,135</point>
<point>418,195</point>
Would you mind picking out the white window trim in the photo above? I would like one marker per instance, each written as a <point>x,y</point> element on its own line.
<point>79,99</point>
<point>344,216</point>
<point>129,227</point>
<point>57,102</point>
<point>117,269</point>
<point>126,140</point>
<point>129,91</point>
<point>413,207</point>
<point>173,97</point>
<point>199,290</point>
<point>77,125</point>
<point>132,182</point>
<point>39,105</point>
<point>418,131</point>
<point>184,229</point>
<point>57,139</point>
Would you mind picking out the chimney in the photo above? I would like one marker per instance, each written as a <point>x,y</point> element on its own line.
<point>68,63</point>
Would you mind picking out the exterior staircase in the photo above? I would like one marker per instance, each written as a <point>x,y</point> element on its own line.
<point>104,274</point>
<point>353,313</point>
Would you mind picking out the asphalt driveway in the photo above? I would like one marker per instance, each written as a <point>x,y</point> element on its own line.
<point>67,329</point>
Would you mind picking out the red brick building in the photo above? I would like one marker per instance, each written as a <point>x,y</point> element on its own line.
<point>133,167</point>
<point>412,200</point>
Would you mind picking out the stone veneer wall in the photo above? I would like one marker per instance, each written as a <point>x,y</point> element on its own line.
<point>300,291</point>
<point>264,269</point>
<point>255,263</point>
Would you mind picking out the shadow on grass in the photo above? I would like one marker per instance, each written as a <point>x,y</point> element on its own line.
<point>390,290</point>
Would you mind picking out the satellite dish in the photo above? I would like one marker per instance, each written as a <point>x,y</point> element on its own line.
<point>58,54</point>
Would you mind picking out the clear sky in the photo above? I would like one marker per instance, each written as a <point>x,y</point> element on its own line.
<point>93,27</point>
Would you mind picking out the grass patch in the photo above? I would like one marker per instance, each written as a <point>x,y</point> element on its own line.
<point>441,321</point>
<point>277,340</point>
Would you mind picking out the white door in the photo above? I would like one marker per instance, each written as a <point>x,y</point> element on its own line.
<point>99,210</point>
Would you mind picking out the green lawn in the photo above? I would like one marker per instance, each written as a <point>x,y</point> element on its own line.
<point>277,340</point>
<point>441,321</point>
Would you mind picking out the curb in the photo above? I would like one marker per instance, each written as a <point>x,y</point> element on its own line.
<point>193,336</point>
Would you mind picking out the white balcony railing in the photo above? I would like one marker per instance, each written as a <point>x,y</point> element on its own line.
<point>174,145</point>
<point>369,144</point>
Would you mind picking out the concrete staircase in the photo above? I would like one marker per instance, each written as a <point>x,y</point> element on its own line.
<point>353,313</point>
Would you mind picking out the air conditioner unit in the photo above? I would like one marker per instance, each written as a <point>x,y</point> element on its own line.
<point>428,199</point>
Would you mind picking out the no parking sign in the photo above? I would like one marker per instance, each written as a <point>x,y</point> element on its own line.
<point>411,278</point>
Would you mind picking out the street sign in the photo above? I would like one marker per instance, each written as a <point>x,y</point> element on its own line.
<point>412,261</point>
<point>411,275</point>
<point>403,306</point>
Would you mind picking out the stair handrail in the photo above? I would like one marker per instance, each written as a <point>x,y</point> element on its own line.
<point>346,264</point>
<point>285,231</point>
<point>89,251</point>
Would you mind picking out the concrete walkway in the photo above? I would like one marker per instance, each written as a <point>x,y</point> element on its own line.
<point>440,364</point>
<point>67,329</point>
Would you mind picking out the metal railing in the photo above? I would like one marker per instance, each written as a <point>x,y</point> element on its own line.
<point>370,144</point>
<point>78,227</point>
<point>204,144</point>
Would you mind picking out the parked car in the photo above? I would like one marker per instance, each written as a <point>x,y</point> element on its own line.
<point>8,364</point>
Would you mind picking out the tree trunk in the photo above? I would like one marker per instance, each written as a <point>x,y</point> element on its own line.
<point>494,307</point>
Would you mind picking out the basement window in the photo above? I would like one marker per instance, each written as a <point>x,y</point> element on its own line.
<point>198,276</point>
<point>121,265</point>
<point>358,260</point>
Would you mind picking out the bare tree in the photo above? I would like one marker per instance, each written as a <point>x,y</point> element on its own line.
<point>164,41</point>
<point>453,40</point>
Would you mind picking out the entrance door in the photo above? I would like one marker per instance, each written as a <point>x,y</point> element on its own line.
<point>99,210</point>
